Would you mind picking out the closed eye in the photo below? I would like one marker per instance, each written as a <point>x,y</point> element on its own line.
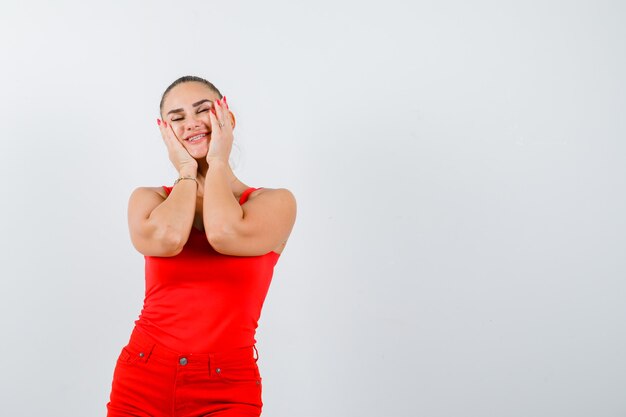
<point>203,110</point>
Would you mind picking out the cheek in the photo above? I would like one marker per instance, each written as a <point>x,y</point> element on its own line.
<point>205,119</point>
<point>179,130</point>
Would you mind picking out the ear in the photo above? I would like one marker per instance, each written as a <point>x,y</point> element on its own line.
<point>231,116</point>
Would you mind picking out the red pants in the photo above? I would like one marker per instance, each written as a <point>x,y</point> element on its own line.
<point>151,380</point>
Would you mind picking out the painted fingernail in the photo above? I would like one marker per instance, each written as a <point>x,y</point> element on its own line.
<point>165,123</point>
<point>159,122</point>
<point>225,102</point>
<point>213,111</point>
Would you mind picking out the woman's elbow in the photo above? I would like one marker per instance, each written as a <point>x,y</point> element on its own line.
<point>217,238</point>
<point>223,238</point>
<point>169,241</point>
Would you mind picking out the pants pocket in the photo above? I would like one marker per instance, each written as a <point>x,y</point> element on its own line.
<point>245,371</point>
<point>124,355</point>
<point>134,352</point>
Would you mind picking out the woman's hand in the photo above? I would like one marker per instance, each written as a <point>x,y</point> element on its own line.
<point>221,132</point>
<point>182,160</point>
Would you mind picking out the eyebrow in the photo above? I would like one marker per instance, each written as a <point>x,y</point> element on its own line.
<point>196,104</point>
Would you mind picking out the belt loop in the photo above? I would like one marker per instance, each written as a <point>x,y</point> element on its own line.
<point>257,353</point>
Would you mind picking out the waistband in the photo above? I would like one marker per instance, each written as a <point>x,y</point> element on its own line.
<point>142,347</point>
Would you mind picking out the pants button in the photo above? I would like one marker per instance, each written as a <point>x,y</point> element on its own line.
<point>218,370</point>
<point>183,361</point>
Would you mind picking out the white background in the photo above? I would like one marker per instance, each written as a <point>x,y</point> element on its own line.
<point>460,174</point>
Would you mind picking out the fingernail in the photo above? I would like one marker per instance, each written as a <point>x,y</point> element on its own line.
<point>165,123</point>
<point>159,122</point>
<point>213,111</point>
<point>225,102</point>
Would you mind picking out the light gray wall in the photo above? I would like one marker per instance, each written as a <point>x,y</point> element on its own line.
<point>460,173</point>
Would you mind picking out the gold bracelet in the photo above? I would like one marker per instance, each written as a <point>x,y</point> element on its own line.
<point>185,178</point>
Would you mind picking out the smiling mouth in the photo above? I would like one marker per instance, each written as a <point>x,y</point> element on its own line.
<point>196,138</point>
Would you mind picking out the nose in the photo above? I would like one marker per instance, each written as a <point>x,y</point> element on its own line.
<point>192,123</point>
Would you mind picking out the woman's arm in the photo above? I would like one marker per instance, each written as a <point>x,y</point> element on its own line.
<point>254,228</point>
<point>160,225</point>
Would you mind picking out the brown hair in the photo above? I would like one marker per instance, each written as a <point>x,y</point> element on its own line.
<point>187,79</point>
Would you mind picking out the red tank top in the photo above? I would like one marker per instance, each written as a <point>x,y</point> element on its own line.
<point>201,301</point>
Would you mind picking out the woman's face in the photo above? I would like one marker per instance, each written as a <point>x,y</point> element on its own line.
<point>186,108</point>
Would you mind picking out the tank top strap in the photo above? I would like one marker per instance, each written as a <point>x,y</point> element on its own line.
<point>246,194</point>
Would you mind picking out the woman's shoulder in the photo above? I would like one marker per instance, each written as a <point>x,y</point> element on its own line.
<point>151,192</point>
<point>268,193</point>
<point>280,193</point>
<point>273,201</point>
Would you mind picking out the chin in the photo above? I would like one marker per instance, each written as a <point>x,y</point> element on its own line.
<point>198,153</point>
<point>200,157</point>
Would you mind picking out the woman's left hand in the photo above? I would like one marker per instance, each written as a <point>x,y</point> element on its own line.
<point>221,132</point>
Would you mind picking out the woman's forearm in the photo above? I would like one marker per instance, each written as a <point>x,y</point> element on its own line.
<point>173,218</point>
<point>221,210</point>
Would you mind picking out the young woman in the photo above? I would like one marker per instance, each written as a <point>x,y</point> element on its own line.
<point>210,244</point>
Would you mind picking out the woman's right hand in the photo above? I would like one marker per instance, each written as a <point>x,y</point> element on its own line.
<point>180,158</point>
